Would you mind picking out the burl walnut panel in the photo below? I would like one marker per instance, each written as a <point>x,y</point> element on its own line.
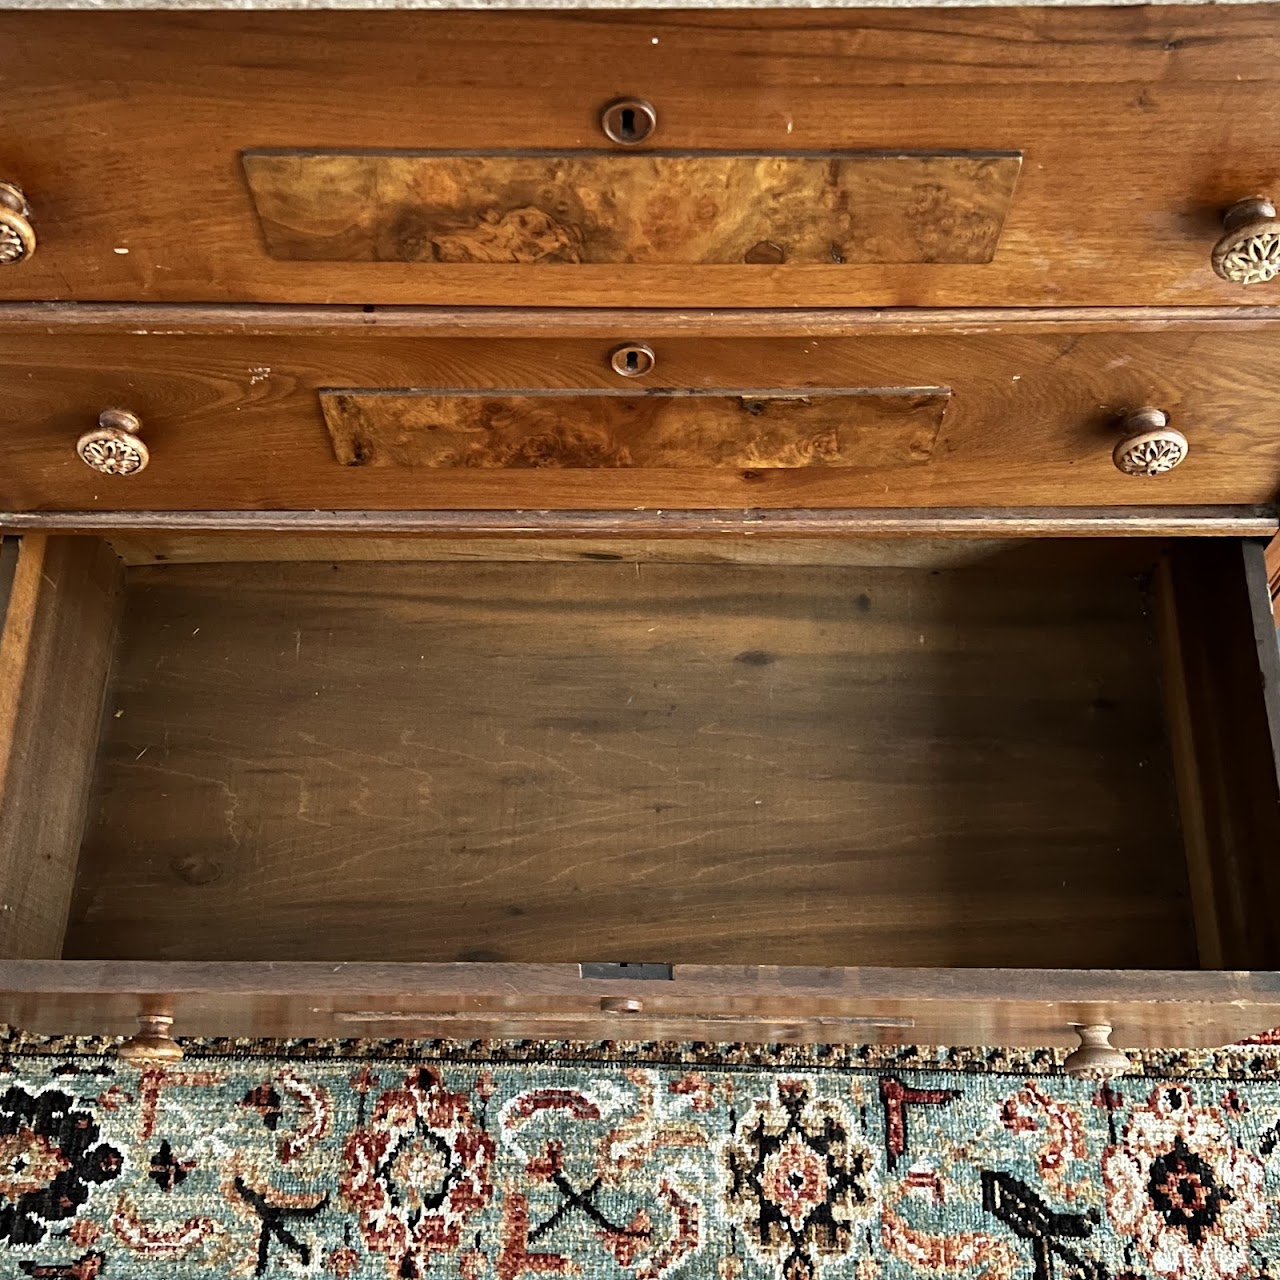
<point>756,429</point>
<point>606,207</point>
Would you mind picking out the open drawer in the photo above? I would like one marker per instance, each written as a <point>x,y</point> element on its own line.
<point>834,790</point>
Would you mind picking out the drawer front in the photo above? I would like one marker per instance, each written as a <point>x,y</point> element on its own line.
<point>359,419</point>
<point>827,159</point>
<point>749,1004</point>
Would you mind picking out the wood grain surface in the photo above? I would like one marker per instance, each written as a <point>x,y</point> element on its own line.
<point>234,423</point>
<point>384,530</point>
<point>876,427</point>
<point>646,208</point>
<point>748,1003</point>
<point>1139,126</point>
<point>55,651</point>
<point>165,547</point>
<point>1222,683</point>
<point>619,761</point>
<point>608,322</point>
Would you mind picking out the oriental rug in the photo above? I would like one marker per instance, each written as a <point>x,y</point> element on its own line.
<point>504,1161</point>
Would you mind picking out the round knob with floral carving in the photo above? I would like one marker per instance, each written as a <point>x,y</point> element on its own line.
<point>113,446</point>
<point>1249,251</point>
<point>1150,446</point>
<point>17,238</point>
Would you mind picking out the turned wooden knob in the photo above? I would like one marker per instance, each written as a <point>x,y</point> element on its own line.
<point>1249,251</point>
<point>17,238</point>
<point>1096,1058</point>
<point>113,446</point>
<point>153,1043</point>
<point>1150,445</point>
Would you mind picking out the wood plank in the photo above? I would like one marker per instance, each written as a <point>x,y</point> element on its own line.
<point>609,207</point>
<point>759,525</point>
<point>835,427</point>
<point>1124,103</point>
<point>235,423</point>
<point>1272,560</point>
<point>55,653</point>
<point>8,566</point>
<point>831,1005</point>
<point>163,547</point>
<point>1033,555</point>
<point>1222,674</point>
<point>612,761</point>
<point>608,322</point>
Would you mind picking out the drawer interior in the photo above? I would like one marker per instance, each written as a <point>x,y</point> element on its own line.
<point>813,754</point>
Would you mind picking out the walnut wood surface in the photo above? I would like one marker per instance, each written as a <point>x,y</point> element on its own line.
<point>913,1006</point>
<point>608,322</point>
<point>877,427</point>
<point>969,523</point>
<point>235,423</point>
<point>165,547</point>
<point>1222,679</point>
<point>631,208</point>
<point>1119,113</point>
<point>620,761</point>
<point>55,651</point>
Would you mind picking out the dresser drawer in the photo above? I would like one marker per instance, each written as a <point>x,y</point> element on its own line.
<point>383,413</point>
<point>860,158</point>
<point>859,790</point>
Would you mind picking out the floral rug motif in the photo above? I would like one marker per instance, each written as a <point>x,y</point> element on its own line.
<point>491,1161</point>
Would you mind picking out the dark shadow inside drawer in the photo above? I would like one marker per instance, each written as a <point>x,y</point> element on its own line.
<point>841,756</point>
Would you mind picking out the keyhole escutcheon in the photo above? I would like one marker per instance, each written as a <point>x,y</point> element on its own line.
<point>629,121</point>
<point>632,360</point>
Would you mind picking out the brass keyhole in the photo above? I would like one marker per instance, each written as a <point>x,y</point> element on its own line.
<point>629,121</point>
<point>633,360</point>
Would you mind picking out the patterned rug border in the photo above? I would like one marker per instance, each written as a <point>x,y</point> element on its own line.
<point>1233,1062</point>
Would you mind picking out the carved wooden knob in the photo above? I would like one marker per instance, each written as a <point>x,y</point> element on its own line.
<point>113,447</point>
<point>17,238</point>
<point>153,1044</point>
<point>1150,446</point>
<point>1249,251</point>
<point>1096,1058</point>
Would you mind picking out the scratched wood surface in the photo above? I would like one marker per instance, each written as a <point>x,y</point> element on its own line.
<point>1034,1007</point>
<point>1139,125</point>
<point>56,644</point>
<point>690,763</point>
<point>606,207</point>
<point>234,423</point>
<point>889,427</point>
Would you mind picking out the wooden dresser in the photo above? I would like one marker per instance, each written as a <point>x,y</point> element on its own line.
<point>652,525</point>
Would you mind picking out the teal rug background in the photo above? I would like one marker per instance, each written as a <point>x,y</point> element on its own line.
<point>403,1160</point>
